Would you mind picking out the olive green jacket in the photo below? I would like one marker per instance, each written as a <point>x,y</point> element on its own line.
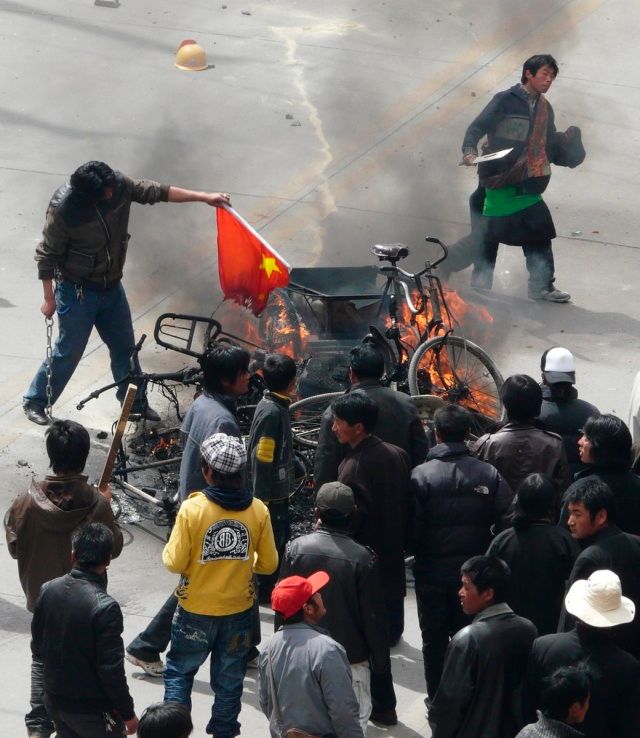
<point>86,243</point>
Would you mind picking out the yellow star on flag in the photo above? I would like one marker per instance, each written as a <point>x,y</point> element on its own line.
<point>269,264</point>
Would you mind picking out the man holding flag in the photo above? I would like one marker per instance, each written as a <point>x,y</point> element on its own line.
<point>83,248</point>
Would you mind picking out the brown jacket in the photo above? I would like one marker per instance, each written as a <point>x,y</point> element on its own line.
<point>520,449</point>
<point>41,521</point>
<point>379,475</point>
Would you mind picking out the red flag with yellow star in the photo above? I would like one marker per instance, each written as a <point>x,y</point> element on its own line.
<point>248,267</point>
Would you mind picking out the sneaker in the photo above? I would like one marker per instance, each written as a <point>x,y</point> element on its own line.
<point>36,413</point>
<point>152,668</point>
<point>551,295</point>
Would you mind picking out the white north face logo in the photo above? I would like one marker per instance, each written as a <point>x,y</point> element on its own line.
<point>226,539</point>
<point>481,489</point>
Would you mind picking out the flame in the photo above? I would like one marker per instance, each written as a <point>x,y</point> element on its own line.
<point>453,373</point>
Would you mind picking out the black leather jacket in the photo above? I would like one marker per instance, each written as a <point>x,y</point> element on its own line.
<point>480,693</point>
<point>77,634</point>
<point>353,597</point>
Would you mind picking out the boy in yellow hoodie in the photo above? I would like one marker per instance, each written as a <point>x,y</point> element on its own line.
<point>222,536</point>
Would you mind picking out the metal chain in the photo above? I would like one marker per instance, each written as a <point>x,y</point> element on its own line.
<point>49,325</point>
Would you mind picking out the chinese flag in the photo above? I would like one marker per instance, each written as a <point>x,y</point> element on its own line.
<point>248,267</point>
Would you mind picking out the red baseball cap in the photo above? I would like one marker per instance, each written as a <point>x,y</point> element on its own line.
<point>290,594</point>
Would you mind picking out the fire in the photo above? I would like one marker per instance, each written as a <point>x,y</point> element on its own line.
<point>279,328</point>
<point>164,448</point>
<point>470,319</point>
<point>453,372</point>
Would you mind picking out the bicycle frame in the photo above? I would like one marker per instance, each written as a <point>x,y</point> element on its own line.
<point>397,287</point>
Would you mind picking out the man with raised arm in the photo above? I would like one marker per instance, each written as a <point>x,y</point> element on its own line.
<point>83,248</point>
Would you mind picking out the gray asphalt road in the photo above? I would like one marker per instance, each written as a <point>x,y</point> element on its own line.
<point>382,93</point>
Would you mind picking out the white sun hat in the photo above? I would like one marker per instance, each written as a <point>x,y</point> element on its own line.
<point>598,601</point>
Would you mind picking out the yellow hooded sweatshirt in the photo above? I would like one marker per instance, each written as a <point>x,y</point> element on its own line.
<point>216,551</point>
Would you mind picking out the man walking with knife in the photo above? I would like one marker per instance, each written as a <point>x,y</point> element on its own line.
<point>508,207</point>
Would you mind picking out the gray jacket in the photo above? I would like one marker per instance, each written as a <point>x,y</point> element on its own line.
<point>209,414</point>
<point>312,683</point>
<point>547,728</point>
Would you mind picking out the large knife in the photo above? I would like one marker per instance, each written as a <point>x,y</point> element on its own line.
<point>487,157</point>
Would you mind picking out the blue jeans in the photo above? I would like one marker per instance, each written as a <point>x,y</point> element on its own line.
<point>281,524</point>
<point>78,312</point>
<point>228,639</point>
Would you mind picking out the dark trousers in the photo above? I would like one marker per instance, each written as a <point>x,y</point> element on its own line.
<point>155,638</point>
<point>38,719</point>
<point>532,230</point>
<point>86,725</point>
<point>281,524</point>
<point>395,618</point>
<point>440,617</point>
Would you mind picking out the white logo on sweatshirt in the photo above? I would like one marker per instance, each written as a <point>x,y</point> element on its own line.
<point>226,539</point>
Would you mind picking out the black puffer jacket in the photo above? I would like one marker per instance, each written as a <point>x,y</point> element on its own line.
<point>457,499</point>
<point>77,634</point>
<point>353,597</point>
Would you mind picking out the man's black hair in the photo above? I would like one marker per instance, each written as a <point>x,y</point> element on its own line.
<point>68,445</point>
<point>366,361</point>
<point>356,407</point>
<point>566,686</point>
<point>521,396</point>
<point>91,178</point>
<point>452,423</point>
<point>92,545</point>
<point>595,495</point>
<point>223,362</point>
<point>279,371</point>
<point>488,572</point>
<point>165,720</point>
<point>611,442</point>
<point>535,500</point>
<point>536,62</point>
<point>338,522</point>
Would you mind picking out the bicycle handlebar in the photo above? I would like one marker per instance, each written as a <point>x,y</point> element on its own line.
<point>445,250</point>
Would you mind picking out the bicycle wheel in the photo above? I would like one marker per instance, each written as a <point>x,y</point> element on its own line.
<point>458,371</point>
<point>306,415</point>
<point>280,325</point>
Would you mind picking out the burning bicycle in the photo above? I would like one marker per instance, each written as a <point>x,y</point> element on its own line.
<point>325,311</point>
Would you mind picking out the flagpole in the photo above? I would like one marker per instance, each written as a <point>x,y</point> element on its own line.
<point>253,231</point>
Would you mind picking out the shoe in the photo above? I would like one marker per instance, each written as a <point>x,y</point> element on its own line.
<point>147,413</point>
<point>152,668</point>
<point>384,717</point>
<point>36,413</point>
<point>551,295</point>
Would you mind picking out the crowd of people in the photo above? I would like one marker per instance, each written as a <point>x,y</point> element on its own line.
<point>524,546</point>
